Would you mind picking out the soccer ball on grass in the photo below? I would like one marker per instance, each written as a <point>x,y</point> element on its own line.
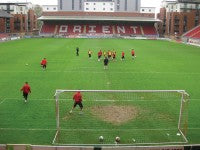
<point>117,139</point>
<point>101,138</point>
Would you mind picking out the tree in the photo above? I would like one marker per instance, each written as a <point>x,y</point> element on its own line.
<point>38,11</point>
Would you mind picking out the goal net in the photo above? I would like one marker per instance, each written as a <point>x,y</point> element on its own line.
<point>136,116</point>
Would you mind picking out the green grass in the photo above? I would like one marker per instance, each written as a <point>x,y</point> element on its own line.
<point>159,65</point>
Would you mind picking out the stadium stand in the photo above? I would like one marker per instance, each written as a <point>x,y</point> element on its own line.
<point>192,37</point>
<point>98,24</point>
<point>194,33</point>
<point>3,35</point>
<point>66,29</point>
<point>48,28</point>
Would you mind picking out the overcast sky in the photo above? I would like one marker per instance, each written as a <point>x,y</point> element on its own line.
<point>145,3</point>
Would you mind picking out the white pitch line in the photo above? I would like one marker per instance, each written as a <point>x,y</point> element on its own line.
<point>20,129</point>
<point>2,101</point>
<point>99,100</point>
<point>115,72</point>
<point>40,129</point>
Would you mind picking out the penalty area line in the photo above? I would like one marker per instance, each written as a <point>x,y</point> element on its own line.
<point>99,100</point>
<point>95,100</point>
<point>40,129</point>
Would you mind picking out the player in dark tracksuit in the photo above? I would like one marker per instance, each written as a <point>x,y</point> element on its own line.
<point>105,63</point>
<point>77,51</point>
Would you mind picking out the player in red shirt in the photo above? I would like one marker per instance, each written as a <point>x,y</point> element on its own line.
<point>99,55</point>
<point>26,90</point>
<point>133,53</point>
<point>77,101</point>
<point>44,63</point>
<point>123,55</point>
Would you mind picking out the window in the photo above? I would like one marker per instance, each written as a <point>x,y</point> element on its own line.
<point>87,3</point>
<point>94,8</point>
<point>60,4</point>
<point>111,9</point>
<point>94,4</point>
<point>149,10</point>
<point>72,4</point>
<point>143,10</point>
<point>118,5</point>
<point>111,4</point>
<point>54,8</point>
<point>21,8</point>
<point>125,7</point>
<point>47,8</point>
<point>87,8</point>
<point>103,3</point>
<point>80,4</point>
<point>137,5</point>
<point>104,9</point>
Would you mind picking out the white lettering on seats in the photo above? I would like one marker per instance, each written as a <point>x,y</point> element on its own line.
<point>63,28</point>
<point>77,28</point>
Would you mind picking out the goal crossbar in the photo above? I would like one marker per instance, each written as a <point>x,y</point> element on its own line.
<point>58,91</point>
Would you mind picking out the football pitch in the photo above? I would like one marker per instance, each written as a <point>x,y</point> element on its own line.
<point>159,65</point>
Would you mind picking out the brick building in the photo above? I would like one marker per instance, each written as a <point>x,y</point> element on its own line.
<point>4,17</point>
<point>178,17</point>
<point>23,18</point>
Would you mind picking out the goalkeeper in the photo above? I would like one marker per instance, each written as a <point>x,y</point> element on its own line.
<point>77,101</point>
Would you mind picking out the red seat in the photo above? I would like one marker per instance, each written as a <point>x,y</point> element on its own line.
<point>101,29</point>
<point>48,28</point>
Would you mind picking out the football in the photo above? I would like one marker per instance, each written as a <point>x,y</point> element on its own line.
<point>117,139</point>
<point>101,139</point>
<point>178,134</point>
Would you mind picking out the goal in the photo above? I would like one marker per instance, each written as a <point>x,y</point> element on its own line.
<point>136,116</point>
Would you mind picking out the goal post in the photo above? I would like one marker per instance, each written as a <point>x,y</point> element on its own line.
<point>136,116</point>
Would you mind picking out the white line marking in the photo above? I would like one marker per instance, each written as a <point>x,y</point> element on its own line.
<point>2,101</point>
<point>134,100</point>
<point>40,129</point>
<point>20,129</point>
<point>115,72</point>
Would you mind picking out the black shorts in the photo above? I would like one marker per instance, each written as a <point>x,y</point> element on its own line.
<point>105,64</point>
<point>78,103</point>
<point>99,57</point>
<point>44,66</point>
<point>89,55</point>
<point>25,95</point>
<point>123,57</point>
<point>133,54</point>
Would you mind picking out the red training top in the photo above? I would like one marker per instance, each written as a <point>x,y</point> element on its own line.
<point>26,88</point>
<point>99,53</point>
<point>77,97</point>
<point>132,52</point>
<point>123,53</point>
<point>44,62</point>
